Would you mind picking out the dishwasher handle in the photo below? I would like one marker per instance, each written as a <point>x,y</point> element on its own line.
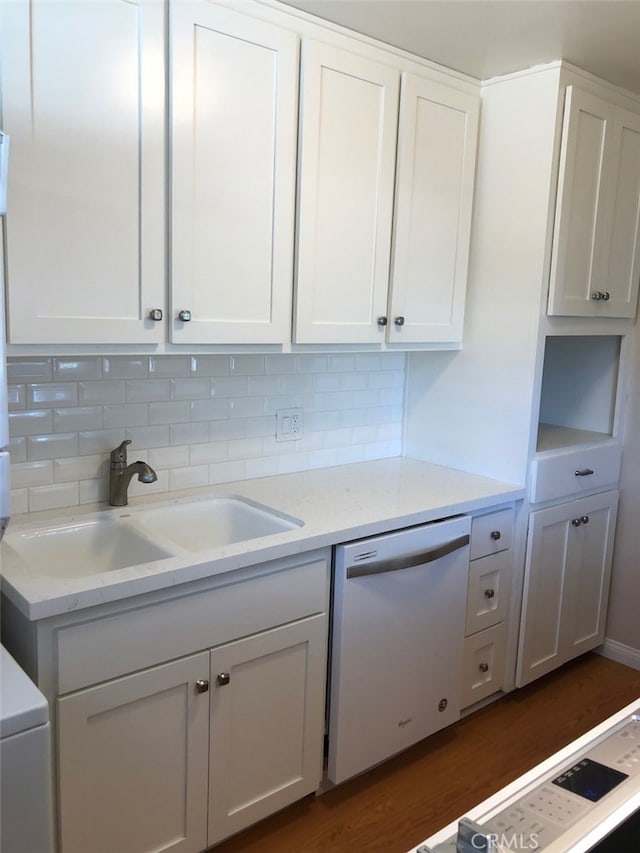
<point>407,561</point>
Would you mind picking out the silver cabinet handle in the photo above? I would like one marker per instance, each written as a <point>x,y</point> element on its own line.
<point>223,678</point>
<point>399,321</point>
<point>484,667</point>
<point>155,314</point>
<point>606,296</point>
<point>395,564</point>
<point>489,593</point>
<point>382,321</point>
<point>202,686</point>
<point>184,315</point>
<point>495,535</point>
<point>576,522</point>
<point>597,295</point>
<point>585,519</point>
<point>584,472</point>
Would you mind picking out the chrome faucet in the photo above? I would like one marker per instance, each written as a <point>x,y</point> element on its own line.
<point>120,474</point>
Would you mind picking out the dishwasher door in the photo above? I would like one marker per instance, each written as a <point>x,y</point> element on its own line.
<point>397,642</point>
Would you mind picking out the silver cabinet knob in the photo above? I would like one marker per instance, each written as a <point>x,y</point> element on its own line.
<point>399,321</point>
<point>185,316</point>
<point>597,295</point>
<point>606,296</point>
<point>489,593</point>
<point>585,519</point>
<point>576,522</point>
<point>484,667</point>
<point>223,679</point>
<point>495,535</point>
<point>155,314</point>
<point>202,686</point>
<point>382,321</point>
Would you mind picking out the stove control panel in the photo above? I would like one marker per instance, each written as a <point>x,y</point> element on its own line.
<point>542,814</point>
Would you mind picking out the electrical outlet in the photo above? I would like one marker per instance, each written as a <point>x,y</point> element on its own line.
<point>289,424</point>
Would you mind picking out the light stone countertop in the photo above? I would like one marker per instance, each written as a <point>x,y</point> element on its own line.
<point>335,505</point>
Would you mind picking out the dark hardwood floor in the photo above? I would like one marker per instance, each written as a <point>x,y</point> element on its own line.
<point>397,805</point>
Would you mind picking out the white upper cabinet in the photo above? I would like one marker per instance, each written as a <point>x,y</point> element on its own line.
<point>369,271</point>
<point>437,142</point>
<point>83,99</point>
<point>233,138</point>
<point>596,251</point>
<point>349,115</point>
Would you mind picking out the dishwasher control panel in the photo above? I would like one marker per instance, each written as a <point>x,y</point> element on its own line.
<point>571,794</point>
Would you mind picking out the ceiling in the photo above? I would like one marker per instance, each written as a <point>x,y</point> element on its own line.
<point>486,38</point>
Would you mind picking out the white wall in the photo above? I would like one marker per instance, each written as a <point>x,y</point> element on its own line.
<point>623,623</point>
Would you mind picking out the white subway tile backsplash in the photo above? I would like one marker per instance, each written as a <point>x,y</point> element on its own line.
<point>147,390</point>
<point>80,418</point>
<point>190,389</point>
<point>41,395</point>
<point>53,445</point>
<point>188,433</point>
<point>99,441</point>
<point>197,419</point>
<point>170,365</point>
<point>53,497</point>
<point>27,474</point>
<point>246,365</point>
<point>102,392</point>
<point>77,368</point>
<point>125,415</point>
<point>188,478</point>
<point>33,422</point>
<point>80,468</point>
<point>210,365</point>
<point>29,370</point>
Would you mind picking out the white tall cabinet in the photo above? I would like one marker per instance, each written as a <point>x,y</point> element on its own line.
<point>554,146</point>
<point>83,100</point>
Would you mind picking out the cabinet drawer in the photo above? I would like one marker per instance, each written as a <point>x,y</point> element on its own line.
<point>483,664</point>
<point>574,471</point>
<point>113,645</point>
<point>488,595</point>
<point>491,533</point>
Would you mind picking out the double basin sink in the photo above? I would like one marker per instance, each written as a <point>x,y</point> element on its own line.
<point>118,539</point>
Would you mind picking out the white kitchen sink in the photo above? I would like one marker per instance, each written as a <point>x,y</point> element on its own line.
<point>212,522</point>
<point>83,548</point>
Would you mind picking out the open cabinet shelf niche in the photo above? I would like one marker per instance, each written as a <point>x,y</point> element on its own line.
<point>578,393</point>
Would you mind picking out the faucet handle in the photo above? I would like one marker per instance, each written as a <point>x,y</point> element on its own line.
<point>119,454</point>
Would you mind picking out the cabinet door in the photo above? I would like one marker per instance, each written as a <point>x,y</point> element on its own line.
<point>623,219</point>
<point>349,117</point>
<point>133,762</point>
<point>577,264</point>
<point>567,574</point>
<point>267,712</point>
<point>234,125</point>
<point>437,141</point>
<point>83,100</point>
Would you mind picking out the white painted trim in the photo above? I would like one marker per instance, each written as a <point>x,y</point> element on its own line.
<point>616,651</point>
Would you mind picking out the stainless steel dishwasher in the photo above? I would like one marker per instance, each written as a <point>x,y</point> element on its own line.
<point>399,610</point>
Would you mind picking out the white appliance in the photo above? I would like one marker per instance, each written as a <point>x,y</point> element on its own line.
<point>397,642</point>
<point>584,798</point>
<point>25,780</point>
<point>4,423</point>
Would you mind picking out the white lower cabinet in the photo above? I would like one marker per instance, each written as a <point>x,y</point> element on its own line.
<point>488,598</point>
<point>267,708</point>
<point>567,571</point>
<point>133,762</point>
<point>234,733</point>
<point>184,717</point>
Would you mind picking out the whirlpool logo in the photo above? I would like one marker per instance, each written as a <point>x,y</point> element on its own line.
<point>514,841</point>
